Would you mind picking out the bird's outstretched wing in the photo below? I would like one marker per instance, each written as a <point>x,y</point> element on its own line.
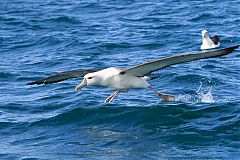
<point>62,76</point>
<point>148,67</point>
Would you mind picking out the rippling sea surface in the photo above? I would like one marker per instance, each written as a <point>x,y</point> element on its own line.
<point>42,37</point>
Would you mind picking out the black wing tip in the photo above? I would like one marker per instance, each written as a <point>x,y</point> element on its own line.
<point>31,83</point>
<point>46,81</point>
<point>36,83</point>
<point>42,82</point>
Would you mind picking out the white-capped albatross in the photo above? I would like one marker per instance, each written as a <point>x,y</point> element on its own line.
<point>209,42</point>
<point>121,80</point>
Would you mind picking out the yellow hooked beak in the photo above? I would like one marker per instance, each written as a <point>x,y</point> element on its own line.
<point>81,85</point>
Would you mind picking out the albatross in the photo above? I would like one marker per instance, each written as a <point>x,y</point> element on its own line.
<point>121,80</point>
<point>209,42</point>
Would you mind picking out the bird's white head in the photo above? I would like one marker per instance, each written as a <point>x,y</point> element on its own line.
<point>204,33</point>
<point>88,79</point>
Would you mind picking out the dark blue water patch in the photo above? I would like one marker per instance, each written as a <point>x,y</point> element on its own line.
<point>30,159</point>
<point>110,46</point>
<point>12,106</point>
<point>4,125</point>
<point>209,66</point>
<point>8,157</point>
<point>205,16</point>
<point>49,40</point>
<point>6,75</point>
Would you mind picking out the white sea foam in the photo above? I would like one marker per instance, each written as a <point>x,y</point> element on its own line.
<point>205,96</point>
<point>201,96</point>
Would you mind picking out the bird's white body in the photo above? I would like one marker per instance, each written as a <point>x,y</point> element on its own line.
<point>120,81</point>
<point>207,42</point>
<point>111,77</point>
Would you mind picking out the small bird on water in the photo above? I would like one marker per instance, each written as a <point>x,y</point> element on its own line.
<point>121,80</point>
<point>209,42</point>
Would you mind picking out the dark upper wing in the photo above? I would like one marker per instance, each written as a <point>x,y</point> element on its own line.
<point>215,39</point>
<point>62,76</point>
<point>148,67</point>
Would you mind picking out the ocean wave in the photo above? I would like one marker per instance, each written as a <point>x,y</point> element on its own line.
<point>159,115</point>
<point>63,19</point>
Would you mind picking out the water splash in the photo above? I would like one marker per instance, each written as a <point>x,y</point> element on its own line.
<point>203,96</point>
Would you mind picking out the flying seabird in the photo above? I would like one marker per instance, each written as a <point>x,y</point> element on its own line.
<point>121,80</point>
<point>209,42</point>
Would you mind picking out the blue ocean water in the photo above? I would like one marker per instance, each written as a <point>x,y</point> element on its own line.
<point>42,37</point>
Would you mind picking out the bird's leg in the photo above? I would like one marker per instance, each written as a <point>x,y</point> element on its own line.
<point>111,97</point>
<point>166,97</point>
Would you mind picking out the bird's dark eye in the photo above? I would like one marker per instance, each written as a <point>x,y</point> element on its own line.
<point>89,78</point>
